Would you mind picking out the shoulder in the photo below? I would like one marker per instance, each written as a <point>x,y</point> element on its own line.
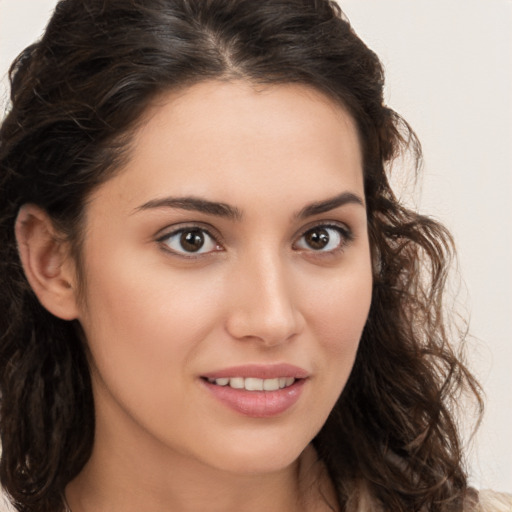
<point>491,501</point>
<point>5,504</point>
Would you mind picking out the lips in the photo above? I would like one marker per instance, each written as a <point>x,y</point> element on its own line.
<point>259,371</point>
<point>258,391</point>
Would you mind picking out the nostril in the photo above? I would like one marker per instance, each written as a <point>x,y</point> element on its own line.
<point>264,326</point>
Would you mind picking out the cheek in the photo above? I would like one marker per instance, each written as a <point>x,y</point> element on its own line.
<point>141,319</point>
<point>337,315</point>
<point>143,332</point>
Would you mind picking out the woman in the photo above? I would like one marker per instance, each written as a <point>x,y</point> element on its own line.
<point>211,298</point>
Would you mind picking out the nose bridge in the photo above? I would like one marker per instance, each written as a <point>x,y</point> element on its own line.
<point>263,304</point>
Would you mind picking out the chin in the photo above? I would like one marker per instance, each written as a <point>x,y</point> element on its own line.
<point>261,453</point>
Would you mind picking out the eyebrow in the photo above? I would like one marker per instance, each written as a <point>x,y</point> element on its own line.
<point>233,213</point>
<point>194,204</point>
<point>330,204</point>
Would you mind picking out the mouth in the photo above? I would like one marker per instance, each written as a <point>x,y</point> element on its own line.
<point>253,383</point>
<point>257,391</point>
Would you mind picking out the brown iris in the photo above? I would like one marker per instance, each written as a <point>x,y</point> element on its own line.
<point>192,240</point>
<point>317,238</point>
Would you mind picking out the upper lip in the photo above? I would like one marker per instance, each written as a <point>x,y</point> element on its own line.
<point>259,371</point>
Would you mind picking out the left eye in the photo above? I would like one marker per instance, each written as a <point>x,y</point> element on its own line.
<point>323,239</point>
<point>190,241</point>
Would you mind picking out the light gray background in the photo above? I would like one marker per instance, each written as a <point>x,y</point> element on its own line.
<point>449,73</point>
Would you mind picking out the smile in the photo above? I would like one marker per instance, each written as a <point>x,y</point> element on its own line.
<point>254,384</point>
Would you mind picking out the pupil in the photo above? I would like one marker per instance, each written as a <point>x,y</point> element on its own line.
<point>317,239</point>
<point>192,241</point>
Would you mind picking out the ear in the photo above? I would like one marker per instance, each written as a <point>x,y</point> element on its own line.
<point>47,262</point>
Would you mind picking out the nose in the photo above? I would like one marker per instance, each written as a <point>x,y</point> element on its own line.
<point>263,304</point>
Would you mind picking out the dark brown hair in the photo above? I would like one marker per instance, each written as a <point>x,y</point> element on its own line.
<point>77,95</point>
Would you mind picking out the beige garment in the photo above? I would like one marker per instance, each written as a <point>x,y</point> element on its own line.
<point>5,506</point>
<point>491,501</point>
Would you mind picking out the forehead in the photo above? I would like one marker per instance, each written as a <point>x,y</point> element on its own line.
<point>226,139</point>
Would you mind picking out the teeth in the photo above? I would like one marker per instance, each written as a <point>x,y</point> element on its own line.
<point>271,384</point>
<point>254,384</point>
<point>237,382</point>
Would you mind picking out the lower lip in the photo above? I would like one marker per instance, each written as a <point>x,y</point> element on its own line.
<point>257,404</point>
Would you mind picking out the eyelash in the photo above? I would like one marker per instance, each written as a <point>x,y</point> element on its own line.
<point>345,238</point>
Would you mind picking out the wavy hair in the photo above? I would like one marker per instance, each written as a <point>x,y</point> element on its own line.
<point>391,442</point>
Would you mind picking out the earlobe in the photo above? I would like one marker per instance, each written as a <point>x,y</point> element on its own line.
<point>46,261</point>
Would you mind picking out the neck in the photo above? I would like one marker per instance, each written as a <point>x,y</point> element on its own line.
<point>98,491</point>
<point>113,484</point>
<point>131,474</point>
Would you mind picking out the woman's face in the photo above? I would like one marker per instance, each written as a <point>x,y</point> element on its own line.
<point>229,255</point>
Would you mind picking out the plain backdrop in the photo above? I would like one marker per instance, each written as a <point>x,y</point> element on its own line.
<point>449,73</point>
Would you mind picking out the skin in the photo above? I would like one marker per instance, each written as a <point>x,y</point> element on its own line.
<point>157,318</point>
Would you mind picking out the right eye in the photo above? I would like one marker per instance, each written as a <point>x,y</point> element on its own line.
<point>190,241</point>
<point>324,239</point>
